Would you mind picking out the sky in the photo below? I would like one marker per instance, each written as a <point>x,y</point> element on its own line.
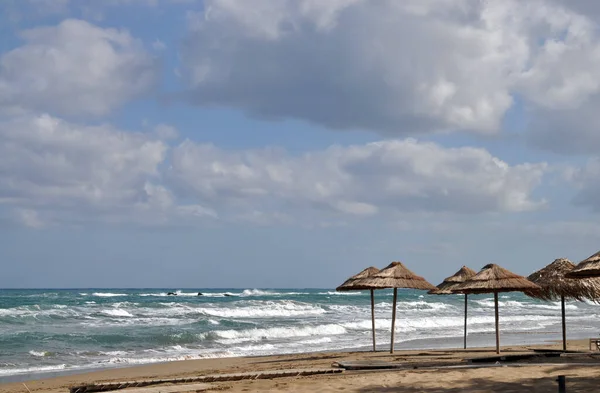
<point>293,143</point>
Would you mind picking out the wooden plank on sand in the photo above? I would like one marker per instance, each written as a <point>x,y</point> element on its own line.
<point>369,365</point>
<point>103,387</point>
<point>196,387</point>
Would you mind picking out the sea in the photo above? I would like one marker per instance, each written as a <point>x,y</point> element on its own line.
<point>49,332</point>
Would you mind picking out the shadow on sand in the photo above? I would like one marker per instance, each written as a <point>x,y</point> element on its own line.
<point>480,385</point>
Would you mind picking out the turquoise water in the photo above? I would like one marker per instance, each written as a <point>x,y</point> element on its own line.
<point>53,330</point>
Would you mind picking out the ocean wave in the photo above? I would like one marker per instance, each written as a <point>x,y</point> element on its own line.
<point>35,311</point>
<point>125,304</point>
<point>489,302</point>
<point>418,305</point>
<point>117,313</point>
<point>344,293</point>
<point>264,310</point>
<point>258,292</point>
<point>320,340</point>
<point>39,353</point>
<point>108,294</point>
<point>244,293</point>
<point>591,302</point>
<point>136,321</point>
<point>191,294</point>
<point>236,336</point>
<point>31,370</point>
<point>446,322</point>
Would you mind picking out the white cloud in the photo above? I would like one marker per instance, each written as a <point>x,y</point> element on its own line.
<point>400,67</point>
<point>75,69</point>
<point>560,72</point>
<point>53,171</point>
<point>392,66</point>
<point>358,180</point>
<point>50,161</point>
<point>165,131</point>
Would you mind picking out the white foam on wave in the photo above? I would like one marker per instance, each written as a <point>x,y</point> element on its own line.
<point>418,305</point>
<point>264,310</point>
<point>108,294</point>
<point>244,293</point>
<point>590,302</point>
<point>236,336</point>
<point>191,294</point>
<point>157,359</point>
<point>135,321</point>
<point>117,313</point>
<point>255,348</point>
<point>114,353</point>
<point>345,293</point>
<point>484,323</point>
<point>35,311</point>
<point>31,370</point>
<point>347,309</point>
<point>124,304</point>
<point>258,292</point>
<point>366,324</point>
<point>181,293</point>
<point>489,302</point>
<point>320,340</point>
<point>39,353</point>
<point>219,294</point>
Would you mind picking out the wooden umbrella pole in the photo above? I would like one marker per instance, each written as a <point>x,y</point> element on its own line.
<point>465,341</point>
<point>564,323</point>
<point>497,333</point>
<point>373,317</point>
<point>393,320</point>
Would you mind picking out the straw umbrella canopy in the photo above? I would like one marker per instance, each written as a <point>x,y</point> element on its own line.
<point>451,283</point>
<point>589,267</point>
<point>353,284</point>
<point>556,286</point>
<point>396,275</point>
<point>494,279</point>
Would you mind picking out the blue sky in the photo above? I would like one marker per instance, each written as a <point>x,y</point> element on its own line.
<point>222,143</point>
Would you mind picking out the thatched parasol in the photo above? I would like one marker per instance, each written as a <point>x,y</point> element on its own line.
<point>353,284</point>
<point>396,275</point>
<point>452,282</point>
<point>556,286</point>
<point>493,279</point>
<point>589,267</point>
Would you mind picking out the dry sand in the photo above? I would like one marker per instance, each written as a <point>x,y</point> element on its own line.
<point>531,378</point>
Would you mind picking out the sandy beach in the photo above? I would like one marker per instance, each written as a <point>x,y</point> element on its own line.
<point>426,372</point>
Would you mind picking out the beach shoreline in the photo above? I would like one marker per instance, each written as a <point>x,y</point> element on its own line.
<point>324,360</point>
<point>53,333</point>
<point>476,342</point>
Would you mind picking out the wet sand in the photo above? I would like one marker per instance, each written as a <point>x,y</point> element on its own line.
<point>424,372</point>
